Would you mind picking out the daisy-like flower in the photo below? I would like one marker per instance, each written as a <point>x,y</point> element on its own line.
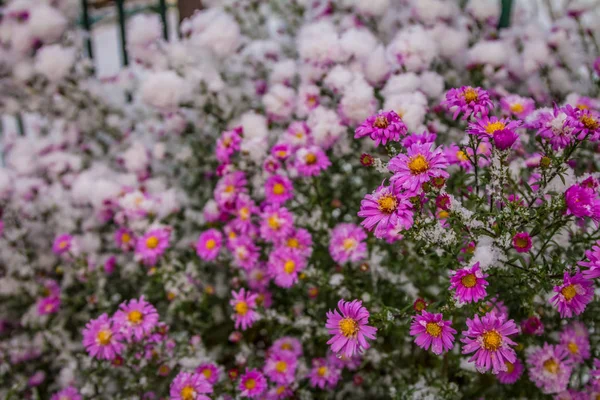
<point>513,372</point>
<point>585,123</point>
<point>486,127</point>
<point>323,374</point>
<point>573,295</point>
<point>288,344</point>
<point>48,305</point>
<point>487,336</point>
<point>593,262</point>
<point>252,384</point>
<point>577,345</point>
<point>189,386</point>
<point>229,187</point>
<point>422,138</point>
<point>68,393</point>
<point>419,305</point>
<point>152,245</point>
<point>532,326</point>
<point>208,244</point>
<point>124,239</point>
<point>62,244</point>
<point>280,367</point>
<point>386,209</point>
<point>310,161</point>
<point>347,243</point>
<point>522,242</point>
<point>550,368</point>
<point>102,338</point>
<point>298,134</point>
<point>420,164</point>
<point>582,201</point>
<point>228,144</point>
<point>553,127</point>
<point>137,319</point>
<point>430,330</point>
<point>278,189</point>
<point>258,277</point>
<point>279,392</point>
<point>299,241</point>
<point>516,105</point>
<point>243,211</point>
<point>383,127</point>
<point>244,306</point>
<point>468,100</point>
<point>284,266</point>
<point>210,372</point>
<point>245,252</point>
<point>469,284</point>
<point>366,160</point>
<point>349,328</point>
<point>281,151</point>
<point>276,222</point>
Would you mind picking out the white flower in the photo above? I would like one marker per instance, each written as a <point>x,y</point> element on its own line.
<point>358,42</point>
<point>358,101</point>
<point>136,158</point>
<point>325,126</point>
<point>283,72</point>
<point>163,90</point>
<point>216,30</point>
<point>402,83</point>
<point>411,107</point>
<point>338,78</point>
<point>279,101</point>
<point>54,61</point>
<point>432,84</point>
<point>484,10</point>
<point>376,67</point>
<point>413,48</point>
<point>319,42</point>
<point>46,23</point>
<point>490,52</point>
<point>372,7</point>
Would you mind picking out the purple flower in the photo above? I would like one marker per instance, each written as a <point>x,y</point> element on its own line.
<point>137,319</point>
<point>532,326</point>
<point>281,151</point>
<point>189,386</point>
<point>382,127</point>
<point>419,165</point>
<point>553,127</point>
<point>518,106</point>
<point>276,222</point>
<point>550,368</point>
<point>513,372</point>
<point>243,211</point>
<point>229,187</point>
<point>349,328</point>
<point>310,161</point>
<point>244,305</point>
<point>68,393</point>
<point>152,245</point>
<point>62,244</point>
<point>209,244</point>
<point>485,127</point>
<point>522,242</point>
<point>299,241</point>
<point>102,338</point>
<point>423,138</point>
<point>288,344</point>
<point>577,345</point>
<point>468,100</point>
<point>347,243</point>
<point>210,372</point>
<point>505,138</point>
<point>585,123</point>
<point>432,331</point>
<point>245,252</point>
<point>469,284</point>
<point>582,201</point>
<point>488,338</point>
<point>124,239</point>
<point>323,374</point>
<point>252,384</point>
<point>278,189</point>
<point>386,209</point>
<point>48,305</point>
<point>284,266</point>
<point>280,367</point>
<point>573,295</point>
<point>593,262</point>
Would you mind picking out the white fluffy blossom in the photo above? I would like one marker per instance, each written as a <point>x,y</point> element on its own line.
<point>413,48</point>
<point>54,61</point>
<point>163,90</point>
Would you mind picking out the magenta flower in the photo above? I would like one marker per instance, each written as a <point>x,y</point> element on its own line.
<point>280,367</point>
<point>281,151</point>
<point>288,344</point>
<point>382,127</point>
<point>486,127</point>
<point>276,222</point>
<point>310,161</point>
<point>553,127</point>
<point>577,345</point>
<point>252,384</point>
<point>504,139</point>
<point>513,372</point>
<point>279,392</point>
<point>48,305</point>
<point>469,284</point>
<point>468,100</point>
<point>516,105</point>
<point>347,243</point>
<point>550,368</point>
<point>124,239</point>
<point>229,187</point>
<point>422,138</point>
<point>210,372</point>
<point>245,252</point>
<point>209,244</point>
<point>189,386</point>
<point>243,211</point>
<point>432,331</point>
<point>152,245</point>
<point>68,393</point>
<point>522,242</point>
<point>298,134</point>
<point>228,144</point>
<point>62,244</point>
<point>278,189</point>
<point>349,329</point>
<point>532,326</point>
<point>386,209</point>
<point>299,241</point>
<point>487,336</point>
<point>323,374</point>
<point>420,164</point>
<point>585,122</point>
<point>102,338</point>
<point>244,305</point>
<point>284,266</point>
<point>593,262</point>
<point>573,295</point>
<point>582,201</point>
<point>137,319</point>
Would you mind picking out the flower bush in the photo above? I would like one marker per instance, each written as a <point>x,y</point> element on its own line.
<point>306,199</point>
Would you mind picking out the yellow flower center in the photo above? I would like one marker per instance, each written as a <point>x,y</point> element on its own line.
<point>289,266</point>
<point>469,280</point>
<point>274,222</point>
<point>387,203</point>
<point>286,346</point>
<point>517,108</point>
<point>188,393</point>
<point>293,243</point>
<point>280,389</point>
<point>281,366</point>
<point>244,213</point>
<point>349,327</point>
<point>461,155</point>
<point>573,348</point>
<point>349,244</point>
<point>63,244</point>
<point>104,337</point>
<point>207,373</point>
<point>299,135</point>
<point>210,244</point>
<point>227,142</point>
<point>492,340</point>
<point>152,242</point>
<point>418,165</point>
<point>310,158</point>
<point>135,317</point>
<point>551,366</point>
<point>322,371</point>
<point>250,383</point>
<point>381,122</point>
<point>470,95</point>
<point>433,329</point>
<point>589,122</point>
<point>492,127</point>
<point>521,242</point>
<point>443,214</point>
<point>569,292</point>
<point>582,106</point>
<point>510,367</point>
<point>281,153</point>
<point>125,238</point>
<point>241,307</point>
<point>229,189</point>
<point>278,188</point>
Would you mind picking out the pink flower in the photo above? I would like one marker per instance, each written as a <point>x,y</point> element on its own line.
<point>573,295</point>
<point>577,345</point>
<point>124,239</point>
<point>229,187</point>
<point>582,201</point>
<point>298,241</point>
<point>349,329</point>
<point>62,244</point>
<point>522,242</point>
<point>281,151</point>
<point>513,372</point>
<point>252,384</point>
<point>284,266</point>
<point>593,263</point>
<point>386,209</point>
<point>486,127</point>
<point>244,305</point>
<point>553,127</point>
<point>468,100</point>
<point>102,338</point>
<point>469,284</point>
<point>505,138</point>
<point>48,305</point>
<point>210,372</point>
<point>279,392</point>
<point>347,243</point>
<point>136,319</point>
<point>278,189</point>
<point>488,338</point>
<point>422,138</point>
<point>189,386</point>
<point>228,144</point>
<point>152,245</point>
<point>382,127</point>
<point>323,374</point>
<point>310,161</point>
<point>418,166</point>
<point>243,211</point>
<point>288,344</point>
<point>549,368</point>
<point>585,122</point>
<point>68,393</point>
<point>280,367</point>
<point>276,222</point>
<point>245,252</point>
<point>209,244</point>
<point>532,326</point>
<point>298,134</point>
<point>432,331</point>
<point>518,106</point>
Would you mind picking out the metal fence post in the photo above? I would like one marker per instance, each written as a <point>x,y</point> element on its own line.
<point>121,14</point>
<point>88,27</point>
<point>162,9</point>
<point>504,21</point>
